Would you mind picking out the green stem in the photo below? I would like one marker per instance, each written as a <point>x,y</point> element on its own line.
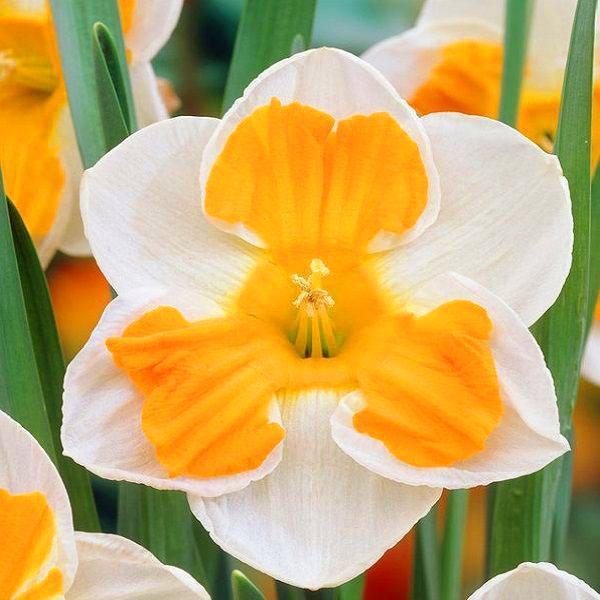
<point>426,577</point>
<point>452,544</point>
<point>518,18</point>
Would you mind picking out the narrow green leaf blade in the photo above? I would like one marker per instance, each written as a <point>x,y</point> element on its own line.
<point>269,31</point>
<point>524,509</point>
<point>21,394</point>
<point>518,19</point>
<point>51,369</point>
<point>162,522</point>
<point>243,588</point>
<point>353,589</point>
<point>452,543</point>
<point>74,23</point>
<point>426,571</point>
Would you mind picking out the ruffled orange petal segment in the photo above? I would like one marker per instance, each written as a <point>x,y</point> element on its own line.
<point>207,388</point>
<point>430,385</point>
<point>303,182</point>
<point>29,152</point>
<point>455,85</point>
<point>28,534</point>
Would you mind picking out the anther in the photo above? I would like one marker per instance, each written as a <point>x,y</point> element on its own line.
<point>314,335</point>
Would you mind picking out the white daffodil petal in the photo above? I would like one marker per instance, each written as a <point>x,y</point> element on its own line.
<point>407,59</point>
<point>590,368</point>
<point>535,581</point>
<point>319,519</point>
<point>141,209</point>
<point>490,11</point>
<point>505,219</point>
<point>341,85</point>
<point>61,236</point>
<point>25,468</point>
<point>549,37</point>
<point>528,436</point>
<point>102,410</point>
<point>112,567</point>
<point>149,108</point>
<point>152,24</point>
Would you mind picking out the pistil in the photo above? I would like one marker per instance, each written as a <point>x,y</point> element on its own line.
<point>314,334</point>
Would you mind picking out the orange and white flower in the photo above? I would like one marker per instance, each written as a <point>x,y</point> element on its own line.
<point>322,314</point>
<point>535,581</point>
<point>452,61</point>
<point>38,149</point>
<point>42,557</point>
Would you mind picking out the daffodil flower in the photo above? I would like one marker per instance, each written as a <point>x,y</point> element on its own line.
<point>590,366</point>
<point>41,557</point>
<point>452,61</point>
<point>312,333</point>
<point>38,149</point>
<point>535,581</point>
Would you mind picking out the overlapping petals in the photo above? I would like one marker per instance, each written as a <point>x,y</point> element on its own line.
<point>142,207</point>
<point>38,133</point>
<point>535,581</point>
<point>41,555</point>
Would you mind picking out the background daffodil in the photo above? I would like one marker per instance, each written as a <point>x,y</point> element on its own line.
<point>38,150</point>
<point>451,60</point>
<point>42,557</point>
<point>322,314</point>
<point>535,581</point>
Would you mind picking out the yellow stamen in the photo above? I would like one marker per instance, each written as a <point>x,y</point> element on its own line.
<point>312,303</point>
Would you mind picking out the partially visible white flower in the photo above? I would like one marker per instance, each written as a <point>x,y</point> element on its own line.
<point>38,151</point>
<point>42,556</point>
<point>535,581</point>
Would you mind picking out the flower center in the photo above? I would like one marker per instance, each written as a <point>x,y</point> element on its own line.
<point>313,333</point>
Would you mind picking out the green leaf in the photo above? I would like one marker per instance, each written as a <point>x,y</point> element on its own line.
<point>87,87</point>
<point>288,592</point>
<point>117,122</point>
<point>51,369</point>
<point>452,543</point>
<point>269,31</point>
<point>523,514</point>
<point>517,21</point>
<point>243,588</point>
<point>426,570</point>
<point>162,522</point>
<point>353,589</point>
<point>21,393</point>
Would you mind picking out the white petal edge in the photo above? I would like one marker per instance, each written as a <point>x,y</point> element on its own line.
<point>505,219</point>
<point>319,519</point>
<point>549,37</point>
<point>407,59</point>
<point>528,437</point>
<point>140,205</point>
<point>24,468</point>
<point>590,367</point>
<point>101,427</point>
<point>152,25</point>
<point>535,581</point>
<point>112,567</point>
<point>341,85</point>
<point>69,200</point>
<point>149,108</point>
